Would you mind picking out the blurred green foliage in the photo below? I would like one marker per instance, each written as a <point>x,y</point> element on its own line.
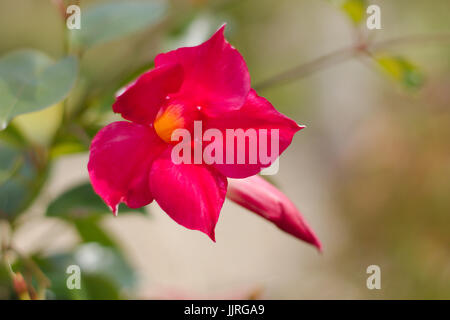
<point>22,172</point>
<point>354,9</point>
<point>116,19</point>
<point>105,273</point>
<point>30,81</point>
<point>401,70</point>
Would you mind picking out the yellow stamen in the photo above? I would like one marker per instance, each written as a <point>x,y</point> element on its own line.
<point>168,120</point>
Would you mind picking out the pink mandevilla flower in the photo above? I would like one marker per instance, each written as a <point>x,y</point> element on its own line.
<point>131,162</point>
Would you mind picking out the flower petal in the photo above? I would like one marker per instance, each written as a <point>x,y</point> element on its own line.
<point>215,74</point>
<point>260,197</point>
<point>192,195</point>
<point>140,101</point>
<point>257,113</point>
<point>119,163</point>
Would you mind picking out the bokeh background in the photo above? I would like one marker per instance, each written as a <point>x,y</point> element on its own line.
<point>371,173</point>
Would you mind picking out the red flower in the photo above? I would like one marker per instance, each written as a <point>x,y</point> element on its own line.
<point>259,196</point>
<point>131,161</point>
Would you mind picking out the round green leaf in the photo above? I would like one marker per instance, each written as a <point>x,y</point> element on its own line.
<point>31,81</point>
<point>112,20</point>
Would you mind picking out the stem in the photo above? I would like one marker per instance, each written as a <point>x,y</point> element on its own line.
<point>412,39</point>
<point>16,279</point>
<point>60,7</point>
<point>308,68</point>
<point>41,278</point>
<point>5,234</point>
<point>6,248</point>
<point>344,54</point>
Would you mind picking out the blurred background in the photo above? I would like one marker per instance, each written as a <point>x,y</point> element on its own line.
<point>371,173</point>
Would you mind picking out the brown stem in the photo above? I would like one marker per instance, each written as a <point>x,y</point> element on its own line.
<point>411,39</point>
<point>344,54</point>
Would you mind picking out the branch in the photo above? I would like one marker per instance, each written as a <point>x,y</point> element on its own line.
<point>344,54</point>
<point>34,268</point>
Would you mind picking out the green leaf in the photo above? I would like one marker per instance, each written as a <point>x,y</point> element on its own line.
<point>401,70</point>
<point>12,136</point>
<point>31,81</point>
<point>354,9</point>
<point>104,273</point>
<point>20,179</point>
<point>90,231</point>
<point>81,202</point>
<point>99,287</point>
<point>97,259</point>
<point>113,20</point>
<point>40,127</point>
<point>6,288</point>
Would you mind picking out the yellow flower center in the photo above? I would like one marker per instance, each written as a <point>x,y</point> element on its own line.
<point>167,120</point>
